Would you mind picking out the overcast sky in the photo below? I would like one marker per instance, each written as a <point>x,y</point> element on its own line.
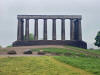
<point>9,9</point>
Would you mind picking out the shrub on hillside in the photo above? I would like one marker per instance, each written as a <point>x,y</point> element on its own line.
<point>9,46</point>
<point>97,38</point>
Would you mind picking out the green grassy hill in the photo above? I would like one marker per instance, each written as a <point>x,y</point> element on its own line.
<point>68,61</point>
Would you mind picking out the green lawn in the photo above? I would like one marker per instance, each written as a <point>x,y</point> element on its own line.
<point>97,51</point>
<point>78,58</point>
<point>86,63</point>
<point>43,65</point>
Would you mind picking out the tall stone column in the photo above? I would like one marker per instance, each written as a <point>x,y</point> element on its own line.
<point>22,29</point>
<point>27,30</point>
<point>36,30</point>
<point>54,29</point>
<point>72,24</point>
<point>77,30</point>
<point>63,29</point>
<point>80,30</point>
<point>20,33</point>
<point>45,30</point>
<point>19,30</point>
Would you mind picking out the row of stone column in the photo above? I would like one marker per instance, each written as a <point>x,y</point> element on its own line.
<point>75,29</point>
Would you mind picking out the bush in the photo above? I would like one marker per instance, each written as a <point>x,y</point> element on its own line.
<point>31,36</point>
<point>97,38</point>
<point>9,46</point>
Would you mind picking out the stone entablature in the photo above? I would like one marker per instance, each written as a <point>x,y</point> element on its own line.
<point>49,16</point>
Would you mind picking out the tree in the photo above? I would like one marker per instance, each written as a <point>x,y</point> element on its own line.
<point>97,38</point>
<point>31,37</point>
<point>9,46</point>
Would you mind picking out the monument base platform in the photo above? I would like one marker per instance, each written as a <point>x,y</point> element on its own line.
<point>80,44</point>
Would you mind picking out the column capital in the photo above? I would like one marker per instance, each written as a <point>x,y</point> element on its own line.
<point>27,19</point>
<point>45,19</point>
<point>54,19</point>
<point>20,18</point>
<point>79,19</point>
<point>35,19</point>
<point>63,19</point>
<point>73,19</point>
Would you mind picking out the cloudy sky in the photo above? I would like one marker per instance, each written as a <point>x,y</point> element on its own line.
<point>9,9</point>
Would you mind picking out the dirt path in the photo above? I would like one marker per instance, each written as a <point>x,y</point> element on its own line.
<point>21,49</point>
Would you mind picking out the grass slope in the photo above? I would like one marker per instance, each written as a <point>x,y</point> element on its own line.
<point>85,63</point>
<point>36,66</point>
<point>88,60</point>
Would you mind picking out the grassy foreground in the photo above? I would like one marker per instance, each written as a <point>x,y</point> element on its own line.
<point>70,61</point>
<point>44,65</point>
<point>88,60</point>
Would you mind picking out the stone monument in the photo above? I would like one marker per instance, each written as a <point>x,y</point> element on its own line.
<point>75,31</point>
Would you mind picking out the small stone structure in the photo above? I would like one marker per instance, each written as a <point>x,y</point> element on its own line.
<point>75,31</point>
<point>12,52</point>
